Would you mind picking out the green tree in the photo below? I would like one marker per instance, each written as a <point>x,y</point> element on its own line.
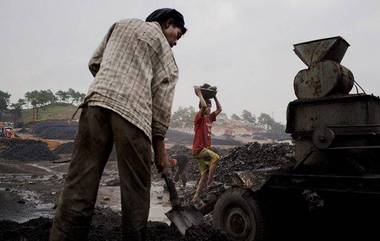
<point>82,96</point>
<point>183,117</point>
<point>222,117</point>
<point>33,97</point>
<point>62,95</point>
<point>265,121</point>
<point>248,117</point>
<point>17,110</point>
<point>72,95</point>
<point>276,129</point>
<point>235,117</point>
<point>39,99</point>
<point>75,96</point>
<point>46,97</point>
<point>4,100</point>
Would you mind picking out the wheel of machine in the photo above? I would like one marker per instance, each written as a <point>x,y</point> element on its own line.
<point>237,214</point>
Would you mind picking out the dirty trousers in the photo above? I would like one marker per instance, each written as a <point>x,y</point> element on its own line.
<point>98,129</point>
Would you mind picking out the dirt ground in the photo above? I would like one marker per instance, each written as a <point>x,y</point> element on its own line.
<point>29,188</point>
<point>29,191</point>
<point>35,186</point>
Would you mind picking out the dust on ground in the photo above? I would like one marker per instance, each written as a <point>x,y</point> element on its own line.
<point>30,185</point>
<point>32,174</point>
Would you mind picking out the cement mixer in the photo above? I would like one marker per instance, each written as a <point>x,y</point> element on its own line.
<point>337,142</point>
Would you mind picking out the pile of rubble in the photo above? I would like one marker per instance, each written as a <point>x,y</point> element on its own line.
<point>25,150</point>
<point>184,138</point>
<point>245,157</point>
<point>66,130</point>
<point>254,156</point>
<point>60,130</point>
<point>33,230</point>
<point>65,148</point>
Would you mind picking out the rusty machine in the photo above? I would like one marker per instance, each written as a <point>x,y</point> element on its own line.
<point>337,145</point>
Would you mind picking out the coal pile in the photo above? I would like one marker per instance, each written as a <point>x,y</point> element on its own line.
<point>25,150</point>
<point>192,170</point>
<point>267,135</point>
<point>245,157</point>
<point>33,230</point>
<point>23,130</point>
<point>220,141</point>
<point>60,130</point>
<point>65,130</point>
<point>106,227</point>
<point>221,151</point>
<point>65,148</point>
<point>254,156</point>
<point>184,138</point>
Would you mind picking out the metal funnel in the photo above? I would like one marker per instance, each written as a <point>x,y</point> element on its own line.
<point>321,49</point>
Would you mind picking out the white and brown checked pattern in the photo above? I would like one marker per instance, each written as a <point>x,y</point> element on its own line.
<point>135,75</point>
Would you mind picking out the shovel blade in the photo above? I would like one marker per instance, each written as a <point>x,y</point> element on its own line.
<point>184,218</point>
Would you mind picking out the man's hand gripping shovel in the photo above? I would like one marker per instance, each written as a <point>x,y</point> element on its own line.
<point>183,217</point>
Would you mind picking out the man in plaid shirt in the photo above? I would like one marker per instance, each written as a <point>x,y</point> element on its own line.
<point>128,104</point>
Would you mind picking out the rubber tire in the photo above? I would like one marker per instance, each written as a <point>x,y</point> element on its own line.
<point>239,201</point>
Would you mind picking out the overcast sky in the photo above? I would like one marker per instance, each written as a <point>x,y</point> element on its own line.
<point>245,48</point>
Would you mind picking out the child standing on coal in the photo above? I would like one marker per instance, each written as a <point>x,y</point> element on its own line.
<point>207,159</point>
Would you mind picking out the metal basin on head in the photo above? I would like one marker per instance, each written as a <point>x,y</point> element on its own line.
<point>321,49</point>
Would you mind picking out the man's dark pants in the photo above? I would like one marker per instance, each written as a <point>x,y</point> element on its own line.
<point>99,128</point>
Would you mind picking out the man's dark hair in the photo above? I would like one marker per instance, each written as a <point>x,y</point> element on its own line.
<point>164,14</point>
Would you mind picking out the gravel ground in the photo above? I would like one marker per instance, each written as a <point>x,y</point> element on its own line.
<point>105,227</point>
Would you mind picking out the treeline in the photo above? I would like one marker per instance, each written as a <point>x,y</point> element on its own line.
<point>184,117</point>
<point>38,99</point>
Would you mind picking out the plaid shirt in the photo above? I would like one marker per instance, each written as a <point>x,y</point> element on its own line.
<point>135,75</point>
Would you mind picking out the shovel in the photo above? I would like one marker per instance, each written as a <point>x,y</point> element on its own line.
<point>183,217</point>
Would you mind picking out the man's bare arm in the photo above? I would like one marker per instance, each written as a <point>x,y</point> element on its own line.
<point>201,99</point>
<point>218,106</point>
<point>160,156</point>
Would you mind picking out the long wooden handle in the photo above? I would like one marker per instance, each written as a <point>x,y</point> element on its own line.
<point>172,191</point>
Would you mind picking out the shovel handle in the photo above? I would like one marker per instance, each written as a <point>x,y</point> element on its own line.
<point>172,191</point>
